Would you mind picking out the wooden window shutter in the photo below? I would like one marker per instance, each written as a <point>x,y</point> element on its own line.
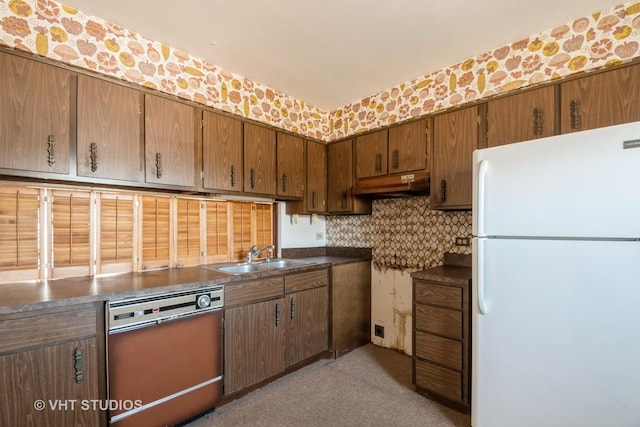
<point>155,232</point>
<point>71,243</point>
<point>19,234</point>
<point>116,233</point>
<point>264,226</point>
<point>188,231</point>
<point>242,230</point>
<point>217,234</point>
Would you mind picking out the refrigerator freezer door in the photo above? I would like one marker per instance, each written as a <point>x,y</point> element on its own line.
<point>559,343</point>
<point>584,184</point>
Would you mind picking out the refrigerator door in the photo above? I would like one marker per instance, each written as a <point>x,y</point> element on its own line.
<point>559,343</point>
<point>584,184</point>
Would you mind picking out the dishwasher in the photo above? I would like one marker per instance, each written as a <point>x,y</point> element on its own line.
<point>164,357</point>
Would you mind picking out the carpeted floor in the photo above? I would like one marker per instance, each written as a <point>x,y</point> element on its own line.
<point>371,386</point>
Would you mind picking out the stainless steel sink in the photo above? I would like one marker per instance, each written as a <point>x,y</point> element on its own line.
<point>240,268</point>
<point>286,263</point>
<point>246,268</point>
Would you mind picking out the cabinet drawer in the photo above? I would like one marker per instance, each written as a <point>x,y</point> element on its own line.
<point>253,291</point>
<point>445,296</point>
<point>440,321</point>
<point>440,350</point>
<point>44,327</point>
<point>440,380</point>
<point>307,280</point>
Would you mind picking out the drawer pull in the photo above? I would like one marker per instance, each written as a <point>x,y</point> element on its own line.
<point>158,165</point>
<point>233,175</point>
<point>93,156</point>
<point>576,119</point>
<point>537,122</point>
<point>51,150</point>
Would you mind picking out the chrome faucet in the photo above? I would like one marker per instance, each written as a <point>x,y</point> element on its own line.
<point>253,252</point>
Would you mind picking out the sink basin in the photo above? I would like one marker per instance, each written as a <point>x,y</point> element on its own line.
<point>285,263</point>
<point>245,268</point>
<point>240,268</point>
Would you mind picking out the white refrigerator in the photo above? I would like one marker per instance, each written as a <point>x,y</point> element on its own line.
<point>556,281</point>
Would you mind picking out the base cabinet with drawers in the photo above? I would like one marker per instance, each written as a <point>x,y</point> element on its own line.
<point>52,367</point>
<point>442,335</point>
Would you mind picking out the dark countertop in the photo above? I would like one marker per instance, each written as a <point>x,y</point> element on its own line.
<point>34,295</point>
<point>456,270</point>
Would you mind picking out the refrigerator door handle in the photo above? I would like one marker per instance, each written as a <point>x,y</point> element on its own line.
<point>482,173</point>
<point>482,304</point>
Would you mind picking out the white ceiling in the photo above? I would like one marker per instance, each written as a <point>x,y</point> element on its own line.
<point>329,53</point>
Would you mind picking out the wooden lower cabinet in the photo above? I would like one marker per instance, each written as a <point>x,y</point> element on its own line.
<point>442,338</point>
<point>350,306</point>
<point>254,344</point>
<point>48,377</point>
<point>307,331</point>
<point>272,324</point>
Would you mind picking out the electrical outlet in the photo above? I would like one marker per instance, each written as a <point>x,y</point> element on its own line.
<point>379,331</point>
<point>462,241</point>
<point>319,236</point>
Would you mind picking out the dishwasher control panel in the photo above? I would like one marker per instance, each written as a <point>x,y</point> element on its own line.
<point>137,312</point>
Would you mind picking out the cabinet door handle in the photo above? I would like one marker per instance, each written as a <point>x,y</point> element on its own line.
<point>395,158</point>
<point>576,119</point>
<point>284,182</point>
<point>378,162</point>
<point>293,307</point>
<point>343,203</point>
<point>51,150</point>
<point>253,178</point>
<point>537,122</point>
<point>278,314</point>
<point>158,165</point>
<point>313,199</point>
<point>443,190</point>
<point>78,365</point>
<point>93,156</point>
<point>233,175</point>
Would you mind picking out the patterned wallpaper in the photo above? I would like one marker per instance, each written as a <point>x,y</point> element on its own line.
<point>603,39</point>
<point>51,29</point>
<point>403,233</point>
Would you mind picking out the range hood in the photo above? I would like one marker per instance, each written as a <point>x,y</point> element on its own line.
<point>413,184</point>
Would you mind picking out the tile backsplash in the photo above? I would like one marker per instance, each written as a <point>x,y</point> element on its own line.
<point>403,233</point>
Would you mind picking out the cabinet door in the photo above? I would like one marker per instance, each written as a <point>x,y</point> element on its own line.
<point>169,142</point>
<point>109,130</point>
<point>221,152</point>
<point>290,166</point>
<point>340,176</point>
<point>371,154</point>
<point>454,139</point>
<point>254,342</point>
<point>35,103</point>
<point>259,160</point>
<point>526,115</point>
<point>408,147</point>
<point>316,177</point>
<point>307,329</point>
<point>604,99</point>
<point>63,374</point>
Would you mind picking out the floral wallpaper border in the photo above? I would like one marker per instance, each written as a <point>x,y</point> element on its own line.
<point>60,32</point>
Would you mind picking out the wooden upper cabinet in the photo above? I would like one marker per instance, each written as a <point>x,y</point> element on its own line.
<point>316,196</point>
<point>169,142</point>
<point>407,147</point>
<point>371,154</point>
<point>35,115</point>
<point>109,130</point>
<point>339,176</point>
<point>603,99</point>
<point>259,160</point>
<point>221,152</point>
<point>291,169</point>
<point>454,139</point>
<point>527,115</point>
